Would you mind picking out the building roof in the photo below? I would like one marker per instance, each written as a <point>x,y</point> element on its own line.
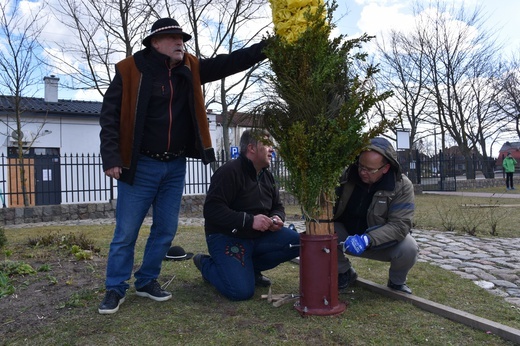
<point>510,146</point>
<point>238,119</point>
<point>33,106</point>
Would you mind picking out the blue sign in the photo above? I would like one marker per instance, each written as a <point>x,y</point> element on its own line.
<point>234,152</point>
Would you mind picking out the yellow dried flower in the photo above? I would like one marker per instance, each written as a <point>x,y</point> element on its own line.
<point>289,16</point>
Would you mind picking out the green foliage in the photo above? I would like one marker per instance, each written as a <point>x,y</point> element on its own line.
<point>10,268</point>
<point>52,279</point>
<point>317,115</point>
<point>6,288</point>
<point>75,242</point>
<point>75,249</point>
<point>79,299</point>
<point>44,268</point>
<point>83,255</point>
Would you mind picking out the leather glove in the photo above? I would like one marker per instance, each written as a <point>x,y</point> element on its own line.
<point>356,244</point>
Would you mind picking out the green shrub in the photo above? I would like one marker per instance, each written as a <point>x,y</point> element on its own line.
<point>6,288</point>
<point>74,242</point>
<point>16,268</point>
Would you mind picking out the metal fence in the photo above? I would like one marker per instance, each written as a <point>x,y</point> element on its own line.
<point>66,179</point>
<point>54,179</point>
<point>441,171</point>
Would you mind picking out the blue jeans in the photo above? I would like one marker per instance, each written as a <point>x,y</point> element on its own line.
<point>158,184</point>
<point>234,261</point>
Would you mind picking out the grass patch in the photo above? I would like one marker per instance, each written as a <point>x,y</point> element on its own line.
<point>480,216</point>
<point>198,315</point>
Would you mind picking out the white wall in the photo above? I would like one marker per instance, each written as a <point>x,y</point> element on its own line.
<point>81,136</point>
<point>71,136</point>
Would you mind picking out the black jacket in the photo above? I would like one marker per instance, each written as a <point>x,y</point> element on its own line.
<point>121,148</point>
<point>236,195</point>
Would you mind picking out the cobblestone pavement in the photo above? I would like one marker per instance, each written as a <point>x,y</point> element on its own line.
<point>492,263</point>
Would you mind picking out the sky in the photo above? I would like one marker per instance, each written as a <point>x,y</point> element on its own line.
<point>354,17</point>
<point>377,17</point>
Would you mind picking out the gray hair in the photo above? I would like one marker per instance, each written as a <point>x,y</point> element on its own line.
<point>251,137</point>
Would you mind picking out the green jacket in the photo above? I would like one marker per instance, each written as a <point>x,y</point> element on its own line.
<point>390,214</point>
<point>509,164</point>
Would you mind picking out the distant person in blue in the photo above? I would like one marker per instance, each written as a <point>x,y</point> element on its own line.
<point>509,164</point>
<point>244,222</point>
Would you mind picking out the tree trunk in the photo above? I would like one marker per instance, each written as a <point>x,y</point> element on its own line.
<point>324,224</point>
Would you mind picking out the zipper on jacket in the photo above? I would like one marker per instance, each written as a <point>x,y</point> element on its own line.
<point>170,109</point>
<point>260,194</point>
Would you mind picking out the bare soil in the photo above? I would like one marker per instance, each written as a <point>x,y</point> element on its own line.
<point>40,299</point>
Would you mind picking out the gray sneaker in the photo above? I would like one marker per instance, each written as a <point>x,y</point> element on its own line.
<point>110,303</point>
<point>402,288</point>
<point>153,291</point>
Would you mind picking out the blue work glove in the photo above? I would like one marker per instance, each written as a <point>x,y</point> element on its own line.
<point>356,244</point>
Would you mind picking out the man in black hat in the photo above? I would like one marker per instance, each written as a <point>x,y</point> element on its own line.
<point>153,117</point>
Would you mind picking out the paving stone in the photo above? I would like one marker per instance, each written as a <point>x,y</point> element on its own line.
<point>514,291</point>
<point>498,293</point>
<point>480,273</point>
<point>466,275</point>
<point>477,265</point>
<point>484,284</point>
<point>513,300</point>
<point>504,283</point>
<point>448,267</point>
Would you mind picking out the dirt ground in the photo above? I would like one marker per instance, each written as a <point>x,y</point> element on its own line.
<point>45,296</point>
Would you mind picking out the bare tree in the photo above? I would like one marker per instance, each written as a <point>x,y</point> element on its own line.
<point>106,31</point>
<point>224,20</point>
<point>404,70</point>
<point>442,72</point>
<point>485,119</point>
<point>457,46</point>
<point>19,72</point>
<point>509,98</point>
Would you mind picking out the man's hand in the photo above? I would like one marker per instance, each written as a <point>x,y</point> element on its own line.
<point>264,223</point>
<point>114,172</point>
<point>277,223</point>
<point>356,244</point>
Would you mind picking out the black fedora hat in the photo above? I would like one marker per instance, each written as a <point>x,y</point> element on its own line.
<point>165,26</point>
<point>177,253</point>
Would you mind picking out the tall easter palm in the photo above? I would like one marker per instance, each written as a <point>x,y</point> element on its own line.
<point>317,111</point>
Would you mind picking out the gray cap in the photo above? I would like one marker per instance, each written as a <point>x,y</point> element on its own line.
<point>385,148</point>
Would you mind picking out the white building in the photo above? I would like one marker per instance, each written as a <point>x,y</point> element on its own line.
<point>58,129</point>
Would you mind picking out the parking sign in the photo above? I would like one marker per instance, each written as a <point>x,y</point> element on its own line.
<point>234,152</point>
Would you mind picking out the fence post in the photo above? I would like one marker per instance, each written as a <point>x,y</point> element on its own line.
<point>418,166</point>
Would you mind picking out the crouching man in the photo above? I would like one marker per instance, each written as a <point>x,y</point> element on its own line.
<point>373,215</point>
<point>244,222</point>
